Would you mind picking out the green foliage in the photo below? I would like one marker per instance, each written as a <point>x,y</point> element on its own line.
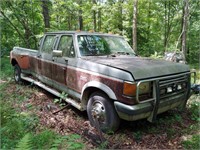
<point>193,143</point>
<point>194,109</point>
<point>43,139</point>
<point>21,19</point>
<point>24,143</point>
<point>6,70</point>
<point>156,55</point>
<point>158,25</point>
<point>70,142</point>
<point>63,96</point>
<point>138,135</point>
<point>14,125</point>
<point>104,145</point>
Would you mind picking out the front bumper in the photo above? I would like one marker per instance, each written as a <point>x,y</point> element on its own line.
<point>145,110</point>
<point>158,103</point>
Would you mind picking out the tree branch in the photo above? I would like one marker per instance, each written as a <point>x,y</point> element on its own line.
<point>13,25</point>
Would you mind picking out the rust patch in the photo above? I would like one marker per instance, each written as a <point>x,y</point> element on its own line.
<point>23,61</point>
<point>77,79</point>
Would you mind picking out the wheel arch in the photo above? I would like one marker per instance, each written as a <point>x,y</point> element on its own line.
<point>14,62</point>
<point>92,87</point>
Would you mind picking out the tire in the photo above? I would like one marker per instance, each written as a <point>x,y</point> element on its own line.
<point>17,74</point>
<point>100,106</point>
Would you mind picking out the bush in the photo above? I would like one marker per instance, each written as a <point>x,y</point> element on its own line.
<point>192,143</point>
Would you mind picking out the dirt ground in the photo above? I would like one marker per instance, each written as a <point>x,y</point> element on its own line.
<point>165,133</point>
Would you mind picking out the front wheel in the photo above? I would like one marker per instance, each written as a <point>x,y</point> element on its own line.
<point>101,109</point>
<point>17,74</point>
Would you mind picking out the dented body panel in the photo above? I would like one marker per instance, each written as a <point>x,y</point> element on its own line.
<point>139,87</point>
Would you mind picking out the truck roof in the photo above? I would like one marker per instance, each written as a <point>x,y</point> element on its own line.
<point>82,33</point>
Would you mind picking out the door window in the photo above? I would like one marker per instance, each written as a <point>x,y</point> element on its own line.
<point>66,46</point>
<point>48,43</point>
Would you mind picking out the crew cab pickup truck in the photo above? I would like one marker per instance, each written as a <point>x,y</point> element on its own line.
<point>102,75</point>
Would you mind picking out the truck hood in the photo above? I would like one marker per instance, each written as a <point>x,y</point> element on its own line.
<point>141,68</point>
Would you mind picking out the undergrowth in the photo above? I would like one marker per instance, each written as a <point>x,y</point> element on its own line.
<point>21,129</point>
<point>193,143</point>
<point>6,69</point>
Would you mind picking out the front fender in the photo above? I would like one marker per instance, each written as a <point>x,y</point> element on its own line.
<point>100,86</point>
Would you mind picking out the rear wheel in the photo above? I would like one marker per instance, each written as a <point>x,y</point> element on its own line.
<point>17,74</point>
<point>101,109</point>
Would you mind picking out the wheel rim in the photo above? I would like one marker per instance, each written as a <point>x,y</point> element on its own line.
<point>98,112</point>
<point>16,75</point>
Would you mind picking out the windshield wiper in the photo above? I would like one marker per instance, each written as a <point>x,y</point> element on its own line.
<point>123,53</point>
<point>119,53</point>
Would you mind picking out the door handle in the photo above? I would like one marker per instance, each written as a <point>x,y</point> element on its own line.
<point>53,58</point>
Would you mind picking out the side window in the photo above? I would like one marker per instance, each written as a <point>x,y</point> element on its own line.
<point>66,46</point>
<point>47,46</point>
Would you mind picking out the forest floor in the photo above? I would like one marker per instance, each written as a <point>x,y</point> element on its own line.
<point>171,130</point>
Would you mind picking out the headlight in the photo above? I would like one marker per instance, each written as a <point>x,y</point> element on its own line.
<point>144,88</point>
<point>130,88</point>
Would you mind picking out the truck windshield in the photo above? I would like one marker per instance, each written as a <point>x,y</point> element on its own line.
<point>96,45</point>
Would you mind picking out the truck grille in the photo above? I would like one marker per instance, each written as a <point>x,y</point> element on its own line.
<point>173,86</point>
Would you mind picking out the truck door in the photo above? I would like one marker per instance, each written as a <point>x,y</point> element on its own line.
<point>46,63</point>
<point>65,45</point>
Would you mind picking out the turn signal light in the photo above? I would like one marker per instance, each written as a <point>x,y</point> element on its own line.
<point>129,89</point>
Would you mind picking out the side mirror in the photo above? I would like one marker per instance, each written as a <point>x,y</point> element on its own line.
<point>57,53</point>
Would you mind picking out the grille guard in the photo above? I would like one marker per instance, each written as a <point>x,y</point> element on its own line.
<point>157,80</point>
<point>156,91</point>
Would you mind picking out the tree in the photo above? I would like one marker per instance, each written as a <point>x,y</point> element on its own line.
<point>45,12</point>
<point>80,15</point>
<point>94,16</point>
<point>184,27</point>
<point>135,3</point>
<point>20,16</point>
<point>149,26</point>
<point>120,22</point>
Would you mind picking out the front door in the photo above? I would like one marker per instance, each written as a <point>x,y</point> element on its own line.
<point>46,61</point>
<point>60,63</point>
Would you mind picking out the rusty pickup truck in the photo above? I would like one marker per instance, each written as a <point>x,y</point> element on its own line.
<point>102,75</point>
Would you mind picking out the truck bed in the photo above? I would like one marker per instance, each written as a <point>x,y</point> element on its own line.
<point>22,57</point>
<point>25,51</point>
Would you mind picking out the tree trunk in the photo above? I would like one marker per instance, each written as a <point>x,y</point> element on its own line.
<point>80,16</point>
<point>99,19</point>
<point>165,39</point>
<point>135,25</point>
<point>94,17</point>
<point>45,12</point>
<point>167,23</point>
<point>69,22</point>
<point>149,26</point>
<point>120,24</point>
<point>184,27</point>
<point>80,20</point>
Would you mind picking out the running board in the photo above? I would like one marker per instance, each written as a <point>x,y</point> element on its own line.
<point>52,91</point>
